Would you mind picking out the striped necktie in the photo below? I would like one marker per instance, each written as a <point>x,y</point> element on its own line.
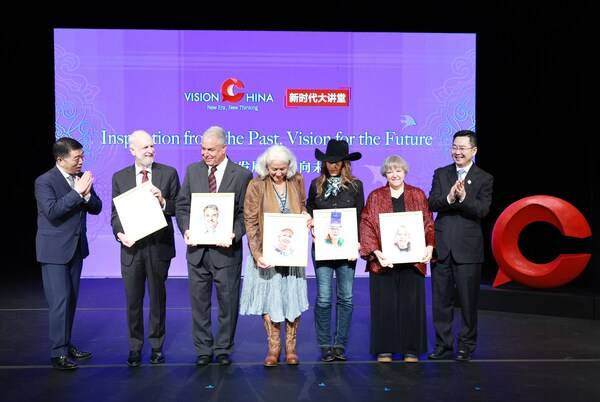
<point>212,180</point>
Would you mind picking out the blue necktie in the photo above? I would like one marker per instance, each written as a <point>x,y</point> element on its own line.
<point>461,174</point>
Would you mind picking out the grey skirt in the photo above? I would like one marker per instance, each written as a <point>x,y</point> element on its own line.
<point>277,291</point>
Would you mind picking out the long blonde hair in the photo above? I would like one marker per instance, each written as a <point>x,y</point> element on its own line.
<point>345,174</point>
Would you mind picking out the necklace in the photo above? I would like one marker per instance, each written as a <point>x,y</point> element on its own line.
<point>282,198</point>
<point>280,192</point>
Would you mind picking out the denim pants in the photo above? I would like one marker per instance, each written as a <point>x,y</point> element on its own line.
<point>344,279</point>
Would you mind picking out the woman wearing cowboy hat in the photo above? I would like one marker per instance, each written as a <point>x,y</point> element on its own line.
<point>334,188</point>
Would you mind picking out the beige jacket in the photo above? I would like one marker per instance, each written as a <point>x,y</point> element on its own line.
<point>261,198</point>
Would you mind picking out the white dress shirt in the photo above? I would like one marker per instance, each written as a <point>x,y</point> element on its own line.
<point>139,176</point>
<point>220,172</point>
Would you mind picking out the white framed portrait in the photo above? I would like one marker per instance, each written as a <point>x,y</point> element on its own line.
<point>285,240</point>
<point>139,212</point>
<point>402,236</point>
<point>211,218</point>
<point>336,234</point>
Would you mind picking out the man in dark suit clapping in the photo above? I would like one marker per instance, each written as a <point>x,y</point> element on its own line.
<point>461,194</point>
<point>64,198</point>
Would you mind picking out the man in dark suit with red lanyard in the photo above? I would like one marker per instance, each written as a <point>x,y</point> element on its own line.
<point>461,194</point>
<point>64,198</point>
<point>148,259</point>
<point>221,263</point>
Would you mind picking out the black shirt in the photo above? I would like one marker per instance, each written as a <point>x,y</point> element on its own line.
<point>351,197</point>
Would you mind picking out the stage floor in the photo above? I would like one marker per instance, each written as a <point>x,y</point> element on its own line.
<point>520,357</point>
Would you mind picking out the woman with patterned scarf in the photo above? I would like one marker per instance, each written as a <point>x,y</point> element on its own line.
<point>334,188</point>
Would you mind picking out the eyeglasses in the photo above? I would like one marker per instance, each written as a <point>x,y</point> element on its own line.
<point>461,149</point>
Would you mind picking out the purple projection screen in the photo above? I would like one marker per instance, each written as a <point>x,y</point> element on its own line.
<point>385,93</point>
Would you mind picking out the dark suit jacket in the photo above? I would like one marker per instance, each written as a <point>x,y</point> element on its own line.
<point>235,180</point>
<point>164,178</point>
<point>61,218</point>
<point>458,225</point>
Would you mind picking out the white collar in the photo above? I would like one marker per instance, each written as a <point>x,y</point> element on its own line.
<point>139,169</point>
<point>65,174</point>
<point>221,166</point>
<point>466,168</point>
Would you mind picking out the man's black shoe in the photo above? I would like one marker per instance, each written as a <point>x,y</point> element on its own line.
<point>62,363</point>
<point>223,360</point>
<point>157,357</point>
<point>134,359</point>
<point>203,360</point>
<point>463,356</point>
<point>327,355</point>
<point>440,354</point>
<point>338,353</point>
<point>77,354</point>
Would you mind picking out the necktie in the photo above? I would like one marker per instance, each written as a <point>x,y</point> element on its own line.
<point>461,174</point>
<point>144,176</point>
<point>71,180</point>
<point>212,180</point>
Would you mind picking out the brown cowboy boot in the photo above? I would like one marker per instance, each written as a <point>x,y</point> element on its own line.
<point>273,341</point>
<point>291,331</point>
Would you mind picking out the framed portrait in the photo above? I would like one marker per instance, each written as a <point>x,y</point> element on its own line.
<point>285,240</point>
<point>402,236</point>
<point>336,234</point>
<point>139,212</point>
<point>211,218</point>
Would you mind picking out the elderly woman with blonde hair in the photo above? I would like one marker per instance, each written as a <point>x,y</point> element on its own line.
<point>276,293</point>
<point>397,291</point>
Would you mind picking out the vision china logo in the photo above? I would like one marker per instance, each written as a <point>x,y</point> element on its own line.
<point>227,90</point>
<point>230,97</point>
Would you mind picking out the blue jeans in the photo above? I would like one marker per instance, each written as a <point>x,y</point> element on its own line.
<point>344,279</point>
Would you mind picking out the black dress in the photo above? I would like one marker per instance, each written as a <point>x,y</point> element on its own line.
<point>398,323</point>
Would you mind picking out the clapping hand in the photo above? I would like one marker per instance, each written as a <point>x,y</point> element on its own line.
<point>83,184</point>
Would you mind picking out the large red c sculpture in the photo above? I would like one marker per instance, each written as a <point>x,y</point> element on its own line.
<point>505,242</point>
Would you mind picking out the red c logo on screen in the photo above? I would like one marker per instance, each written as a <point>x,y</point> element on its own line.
<point>227,90</point>
<point>505,242</point>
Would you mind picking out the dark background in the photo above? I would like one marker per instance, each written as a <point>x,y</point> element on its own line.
<point>535,110</point>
